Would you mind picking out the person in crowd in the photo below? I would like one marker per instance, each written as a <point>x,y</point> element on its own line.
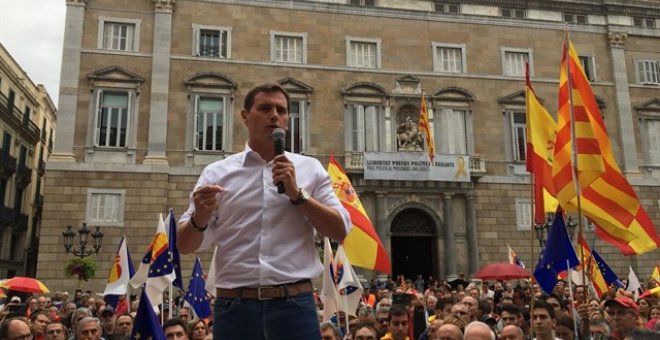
<point>364,331</point>
<point>232,204</point>
<point>38,321</point>
<point>55,330</point>
<point>564,328</point>
<point>511,315</point>
<point>123,327</point>
<point>175,329</point>
<point>76,316</point>
<point>15,328</point>
<point>447,331</point>
<point>543,317</point>
<point>478,330</point>
<point>453,319</point>
<point>89,328</point>
<point>512,332</point>
<point>382,319</point>
<point>654,317</point>
<point>623,315</point>
<point>599,329</point>
<point>184,314</point>
<point>557,304</point>
<point>473,307</point>
<point>368,298</point>
<point>398,321</point>
<point>461,311</point>
<point>108,321</point>
<point>329,331</point>
<point>365,315</point>
<point>419,283</point>
<point>486,291</point>
<point>384,302</point>
<point>432,330</point>
<point>198,330</point>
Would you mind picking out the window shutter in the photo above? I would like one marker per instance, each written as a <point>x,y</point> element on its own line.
<point>196,41</point>
<point>97,116</point>
<point>459,132</point>
<point>446,132</point>
<point>195,118</point>
<point>371,128</point>
<point>129,116</point>
<point>360,128</point>
<point>654,142</point>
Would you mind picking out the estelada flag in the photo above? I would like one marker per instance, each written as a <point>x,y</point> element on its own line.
<point>362,244</point>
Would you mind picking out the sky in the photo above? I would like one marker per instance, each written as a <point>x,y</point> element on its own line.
<point>32,31</point>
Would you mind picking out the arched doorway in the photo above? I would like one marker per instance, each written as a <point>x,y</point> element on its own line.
<point>414,249</point>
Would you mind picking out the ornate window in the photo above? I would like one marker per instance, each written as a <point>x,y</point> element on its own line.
<point>453,116</point>
<point>513,109</point>
<point>210,115</point>
<point>649,116</point>
<point>113,121</point>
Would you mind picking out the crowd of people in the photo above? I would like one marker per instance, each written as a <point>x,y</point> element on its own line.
<point>389,310</point>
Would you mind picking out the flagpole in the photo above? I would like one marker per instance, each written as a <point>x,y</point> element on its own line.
<point>574,158</point>
<point>532,180</point>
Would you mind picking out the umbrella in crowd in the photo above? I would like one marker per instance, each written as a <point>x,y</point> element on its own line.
<point>502,271</point>
<point>25,285</point>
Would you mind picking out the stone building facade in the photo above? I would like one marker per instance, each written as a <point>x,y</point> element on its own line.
<point>27,124</point>
<point>151,92</point>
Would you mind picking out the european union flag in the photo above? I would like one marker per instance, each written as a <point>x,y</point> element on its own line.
<point>174,251</point>
<point>196,294</point>
<point>146,325</point>
<point>609,275</point>
<point>557,256</point>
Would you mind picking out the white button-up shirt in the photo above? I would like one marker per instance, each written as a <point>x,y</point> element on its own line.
<point>262,238</point>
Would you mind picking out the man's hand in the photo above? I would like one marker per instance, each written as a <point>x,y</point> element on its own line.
<point>206,203</point>
<point>285,172</point>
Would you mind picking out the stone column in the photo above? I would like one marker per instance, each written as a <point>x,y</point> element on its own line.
<point>381,217</point>
<point>68,101</point>
<point>471,228</point>
<point>450,242</point>
<point>160,80</point>
<point>627,132</point>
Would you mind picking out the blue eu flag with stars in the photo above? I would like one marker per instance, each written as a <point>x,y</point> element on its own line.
<point>146,326</point>
<point>557,256</point>
<point>196,294</point>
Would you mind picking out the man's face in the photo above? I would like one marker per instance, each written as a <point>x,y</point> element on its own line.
<point>474,293</point>
<point>175,332</point>
<point>124,325</point>
<point>599,330</point>
<point>365,333</point>
<point>89,331</point>
<point>579,294</point>
<point>543,323</point>
<point>39,325</point>
<point>510,319</point>
<point>55,331</point>
<point>472,305</point>
<point>328,334</point>
<point>18,330</point>
<point>382,321</point>
<point>269,111</point>
<point>184,314</point>
<point>41,301</point>
<point>461,311</point>
<point>623,319</point>
<point>398,327</point>
<point>556,305</point>
<point>511,333</point>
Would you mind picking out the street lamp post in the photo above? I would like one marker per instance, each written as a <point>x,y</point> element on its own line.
<point>543,229</point>
<point>83,232</point>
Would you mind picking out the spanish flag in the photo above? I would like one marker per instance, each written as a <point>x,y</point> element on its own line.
<point>540,131</point>
<point>425,127</point>
<point>591,267</point>
<point>607,198</point>
<point>362,244</point>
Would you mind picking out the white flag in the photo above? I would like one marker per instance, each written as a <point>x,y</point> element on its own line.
<point>120,272</point>
<point>161,270</point>
<point>329,290</point>
<point>350,289</point>
<point>210,277</point>
<point>633,283</point>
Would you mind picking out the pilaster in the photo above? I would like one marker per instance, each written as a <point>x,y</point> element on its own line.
<point>471,231</point>
<point>450,242</point>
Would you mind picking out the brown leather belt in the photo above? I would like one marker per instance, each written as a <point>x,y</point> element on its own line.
<point>266,292</point>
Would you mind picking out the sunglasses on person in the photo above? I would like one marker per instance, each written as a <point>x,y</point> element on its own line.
<point>381,320</point>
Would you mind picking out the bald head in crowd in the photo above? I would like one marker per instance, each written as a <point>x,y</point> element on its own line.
<point>478,330</point>
<point>449,332</point>
<point>512,332</point>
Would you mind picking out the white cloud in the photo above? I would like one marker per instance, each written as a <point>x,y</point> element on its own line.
<point>32,31</point>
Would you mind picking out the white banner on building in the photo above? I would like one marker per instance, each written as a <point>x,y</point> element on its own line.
<point>416,166</point>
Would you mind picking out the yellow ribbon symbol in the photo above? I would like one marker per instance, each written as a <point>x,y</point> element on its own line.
<point>461,167</point>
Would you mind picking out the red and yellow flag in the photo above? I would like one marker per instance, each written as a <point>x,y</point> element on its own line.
<point>607,198</point>
<point>540,130</point>
<point>362,244</point>
<point>425,127</point>
<point>591,266</point>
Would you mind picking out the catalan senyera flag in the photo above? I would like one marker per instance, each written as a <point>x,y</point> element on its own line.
<point>540,130</point>
<point>425,127</point>
<point>591,267</point>
<point>362,244</point>
<point>607,198</point>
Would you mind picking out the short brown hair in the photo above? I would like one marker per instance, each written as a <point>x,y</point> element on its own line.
<point>268,88</point>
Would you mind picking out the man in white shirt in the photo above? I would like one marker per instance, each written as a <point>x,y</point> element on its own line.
<point>266,253</point>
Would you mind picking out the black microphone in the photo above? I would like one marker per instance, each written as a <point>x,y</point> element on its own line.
<point>279,135</point>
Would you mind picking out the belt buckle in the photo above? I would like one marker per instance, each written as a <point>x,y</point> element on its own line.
<point>261,298</point>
